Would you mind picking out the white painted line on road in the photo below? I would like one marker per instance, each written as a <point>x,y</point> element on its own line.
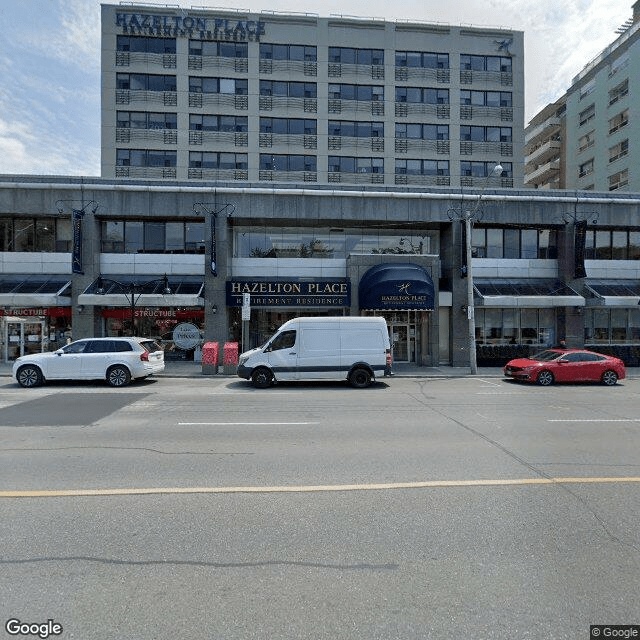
<point>313,488</point>
<point>232,424</point>
<point>594,420</point>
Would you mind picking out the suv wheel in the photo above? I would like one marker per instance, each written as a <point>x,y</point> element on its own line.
<point>118,376</point>
<point>29,376</point>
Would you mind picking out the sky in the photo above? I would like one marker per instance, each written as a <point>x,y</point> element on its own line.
<point>50,61</point>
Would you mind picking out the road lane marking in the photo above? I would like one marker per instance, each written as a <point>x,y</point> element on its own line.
<point>233,424</point>
<point>60,493</point>
<point>594,420</point>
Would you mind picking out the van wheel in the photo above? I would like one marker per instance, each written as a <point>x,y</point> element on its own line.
<point>360,378</point>
<point>29,376</point>
<point>262,378</point>
<point>118,376</point>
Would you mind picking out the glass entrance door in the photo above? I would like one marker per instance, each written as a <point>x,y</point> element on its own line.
<point>400,342</point>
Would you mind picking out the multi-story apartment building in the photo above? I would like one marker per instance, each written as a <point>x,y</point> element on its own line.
<point>239,97</point>
<point>544,166</point>
<point>588,139</point>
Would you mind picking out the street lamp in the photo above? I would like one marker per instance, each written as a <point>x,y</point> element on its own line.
<point>131,289</point>
<point>469,216</point>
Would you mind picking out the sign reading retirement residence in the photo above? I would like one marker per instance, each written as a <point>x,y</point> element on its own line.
<point>189,26</point>
<point>290,293</point>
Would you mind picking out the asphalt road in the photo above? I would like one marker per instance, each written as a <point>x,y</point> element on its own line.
<point>419,508</point>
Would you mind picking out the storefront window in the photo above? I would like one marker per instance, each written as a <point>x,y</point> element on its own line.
<point>509,326</point>
<point>326,243</point>
<point>634,325</point>
<point>619,319</point>
<point>601,325</point>
<point>546,324</point>
<point>529,326</point>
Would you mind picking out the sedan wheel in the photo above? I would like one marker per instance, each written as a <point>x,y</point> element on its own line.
<point>609,378</point>
<point>118,376</point>
<point>29,376</point>
<point>545,378</point>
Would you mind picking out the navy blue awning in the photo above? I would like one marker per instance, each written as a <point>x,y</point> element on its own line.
<point>396,286</point>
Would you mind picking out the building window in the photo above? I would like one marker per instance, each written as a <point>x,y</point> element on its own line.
<point>347,55</point>
<point>422,167</point>
<point>140,44</point>
<point>325,242</point>
<point>232,86</point>
<point>35,234</point>
<point>291,126</point>
<point>422,95</point>
<point>422,59</point>
<point>528,244</point>
<point>484,169</point>
<point>618,92</point>
<point>485,63</point>
<point>362,92</point>
<point>352,129</point>
<point>288,89</point>
<point>345,164</point>
<point>619,180</point>
<point>133,236</point>
<point>587,115</point>
<point>273,162</point>
<point>618,151</point>
<point>218,49</point>
<point>587,88</point>
<point>298,52</point>
<point>585,169</point>
<point>515,326</point>
<point>237,124</point>
<point>146,120</point>
<point>145,82</point>
<point>586,141</point>
<point>486,134</point>
<point>486,98</point>
<point>145,158</point>
<point>417,131</point>
<point>217,160</point>
<point>612,326</point>
<point>618,121</point>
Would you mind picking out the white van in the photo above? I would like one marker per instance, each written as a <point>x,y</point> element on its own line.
<point>334,348</point>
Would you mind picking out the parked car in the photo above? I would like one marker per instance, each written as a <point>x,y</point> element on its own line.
<point>116,360</point>
<point>566,365</point>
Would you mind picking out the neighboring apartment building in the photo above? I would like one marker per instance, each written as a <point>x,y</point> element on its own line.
<point>590,138</point>
<point>544,166</point>
<point>221,95</point>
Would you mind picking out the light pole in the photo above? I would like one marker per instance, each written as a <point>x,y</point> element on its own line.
<point>131,289</point>
<point>469,217</point>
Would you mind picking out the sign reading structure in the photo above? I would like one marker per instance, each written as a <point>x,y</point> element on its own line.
<point>290,293</point>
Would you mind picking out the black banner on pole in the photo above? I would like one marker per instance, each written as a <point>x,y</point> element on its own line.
<point>76,255</point>
<point>579,247</point>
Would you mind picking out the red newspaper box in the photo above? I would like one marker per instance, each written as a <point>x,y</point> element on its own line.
<point>210,352</point>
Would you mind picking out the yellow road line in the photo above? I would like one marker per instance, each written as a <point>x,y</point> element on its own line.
<point>60,493</point>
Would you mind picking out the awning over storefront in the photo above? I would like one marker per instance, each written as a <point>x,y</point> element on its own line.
<point>613,293</point>
<point>526,293</point>
<point>35,291</point>
<point>116,291</point>
<point>396,286</point>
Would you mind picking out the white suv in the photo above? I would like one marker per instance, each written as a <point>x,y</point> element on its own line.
<point>116,360</point>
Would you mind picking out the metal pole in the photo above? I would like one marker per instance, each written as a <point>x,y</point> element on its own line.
<point>133,310</point>
<point>473,362</point>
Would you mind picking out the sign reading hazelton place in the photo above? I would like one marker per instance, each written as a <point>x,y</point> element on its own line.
<point>290,293</point>
<point>200,27</point>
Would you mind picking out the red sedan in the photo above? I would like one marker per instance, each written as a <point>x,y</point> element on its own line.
<point>566,365</point>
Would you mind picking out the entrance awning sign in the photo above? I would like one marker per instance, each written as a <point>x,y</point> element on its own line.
<point>397,286</point>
